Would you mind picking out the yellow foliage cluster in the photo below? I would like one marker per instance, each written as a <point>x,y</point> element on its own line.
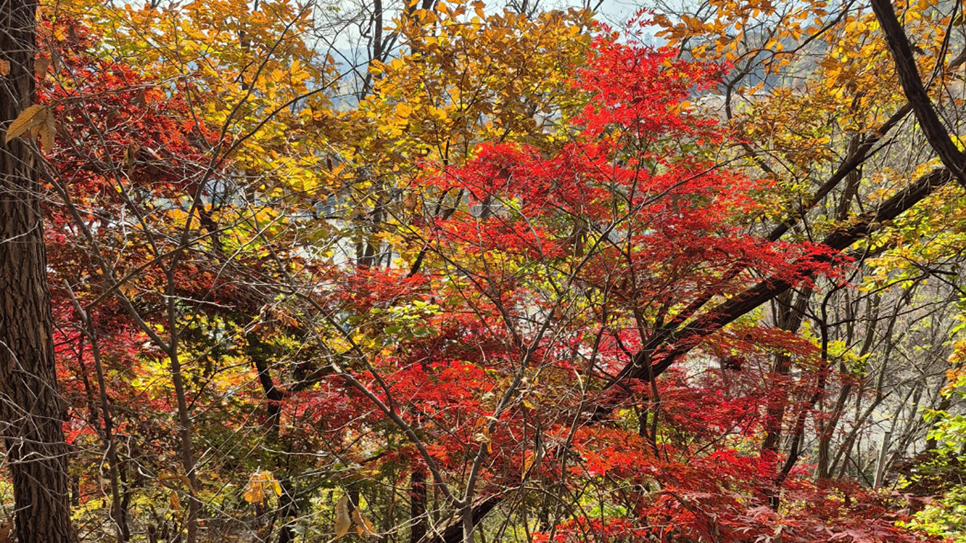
<point>260,486</point>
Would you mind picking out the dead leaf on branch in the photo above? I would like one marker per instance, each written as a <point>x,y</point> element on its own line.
<point>36,120</point>
<point>40,67</point>
<point>363,526</point>
<point>47,132</point>
<point>342,520</point>
<point>27,119</point>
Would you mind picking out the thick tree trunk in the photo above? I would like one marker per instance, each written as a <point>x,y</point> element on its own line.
<point>31,409</point>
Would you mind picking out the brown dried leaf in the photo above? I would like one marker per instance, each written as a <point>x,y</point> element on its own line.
<point>342,520</point>
<point>363,526</point>
<point>30,117</point>
<point>48,132</point>
<point>40,67</point>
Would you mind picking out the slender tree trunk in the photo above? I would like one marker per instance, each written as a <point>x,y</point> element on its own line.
<point>106,432</point>
<point>880,465</point>
<point>184,416</point>
<point>32,411</point>
<point>288,507</point>
<point>118,511</point>
<point>789,318</point>
<point>467,515</point>
<point>417,497</point>
<point>187,453</point>
<point>823,469</point>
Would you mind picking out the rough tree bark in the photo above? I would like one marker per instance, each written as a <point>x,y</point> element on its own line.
<point>32,411</point>
<point>915,91</point>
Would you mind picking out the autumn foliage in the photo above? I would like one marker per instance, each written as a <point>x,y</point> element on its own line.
<point>502,282</point>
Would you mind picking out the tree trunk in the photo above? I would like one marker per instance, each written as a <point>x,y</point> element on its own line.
<point>31,409</point>
<point>789,317</point>
<point>417,496</point>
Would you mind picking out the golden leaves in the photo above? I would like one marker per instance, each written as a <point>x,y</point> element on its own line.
<point>261,484</point>
<point>175,502</point>
<point>466,81</point>
<point>403,110</point>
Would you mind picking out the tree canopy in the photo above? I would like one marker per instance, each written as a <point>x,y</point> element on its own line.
<point>444,271</point>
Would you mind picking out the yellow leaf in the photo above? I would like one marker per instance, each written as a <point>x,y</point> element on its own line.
<point>261,482</point>
<point>528,461</point>
<point>403,110</point>
<point>126,289</point>
<point>254,495</point>
<point>30,117</point>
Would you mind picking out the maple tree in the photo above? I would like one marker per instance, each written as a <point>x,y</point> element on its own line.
<point>513,275</point>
